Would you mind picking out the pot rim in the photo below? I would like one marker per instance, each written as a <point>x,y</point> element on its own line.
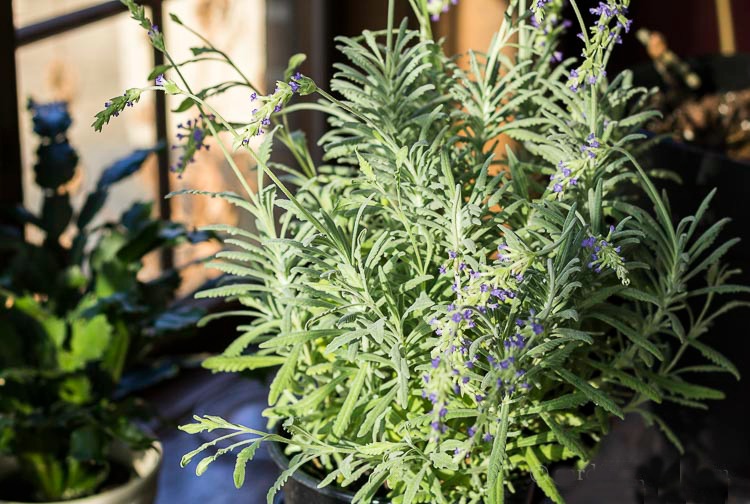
<point>151,461</point>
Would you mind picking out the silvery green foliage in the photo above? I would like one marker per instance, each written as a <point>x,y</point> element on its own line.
<point>448,316</point>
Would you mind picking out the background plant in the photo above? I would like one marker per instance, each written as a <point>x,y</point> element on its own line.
<point>446,320</point>
<point>74,318</point>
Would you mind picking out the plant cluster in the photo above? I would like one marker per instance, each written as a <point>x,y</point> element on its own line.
<point>75,317</point>
<point>449,314</point>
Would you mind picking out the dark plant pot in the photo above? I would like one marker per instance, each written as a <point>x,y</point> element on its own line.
<point>701,169</point>
<point>301,488</point>
<point>717,436</point>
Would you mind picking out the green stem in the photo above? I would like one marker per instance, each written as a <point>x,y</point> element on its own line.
<point>389,33</point>
<point>580,22</point>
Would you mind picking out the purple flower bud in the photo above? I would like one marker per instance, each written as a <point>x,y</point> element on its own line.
<point>253,96</point>
<point>435,362</point>
<point>471,431</point>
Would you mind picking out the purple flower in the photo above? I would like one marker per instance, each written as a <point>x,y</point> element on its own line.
<point>471,431</point>
<point>487,437</point>
<point>435,425</point>
<point>465,380</point>
<point>484,288</point>
<point>435,362</point>
<point>479,397</point>
<point>456,317</point>
<point>294,86</point>
<point>253,96</point>
<point>443,411</point>
<point>160,80</point>
<point>452,254</point>
<point>588,242</point>
<point>426,378</point>
<point>557,56</point>
<point>557,188</point>
<point>537,328</point>
<point>474,275</point>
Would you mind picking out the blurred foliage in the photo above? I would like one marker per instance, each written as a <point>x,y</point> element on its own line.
<point>74,318</point>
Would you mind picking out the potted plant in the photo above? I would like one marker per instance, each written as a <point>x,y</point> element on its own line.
<point>448,322</point>
<point>74,319</point>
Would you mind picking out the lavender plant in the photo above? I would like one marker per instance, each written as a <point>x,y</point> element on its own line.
<point>446,320</point>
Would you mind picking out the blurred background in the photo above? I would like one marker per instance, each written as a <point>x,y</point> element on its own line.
<point>85,51</point>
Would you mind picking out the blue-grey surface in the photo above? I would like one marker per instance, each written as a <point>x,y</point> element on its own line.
<point>612,477</point>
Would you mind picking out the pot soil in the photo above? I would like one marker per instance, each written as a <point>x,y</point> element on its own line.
<point>302,488</point>
<point>138,489</point>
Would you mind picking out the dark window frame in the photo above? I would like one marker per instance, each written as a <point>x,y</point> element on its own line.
<point>11,38</point>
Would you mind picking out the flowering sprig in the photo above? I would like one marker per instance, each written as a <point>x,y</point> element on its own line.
<point>599,40</point>
<point>115,105</point>
<point>564,178</point>
<point>264,107</point>
<point>191,139</point>
<point>138,12</point>
<point>467,364</point>
<point>437,7</point>
<point>550,26</point>
<point>603,253</point>
<point>538,10</point>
